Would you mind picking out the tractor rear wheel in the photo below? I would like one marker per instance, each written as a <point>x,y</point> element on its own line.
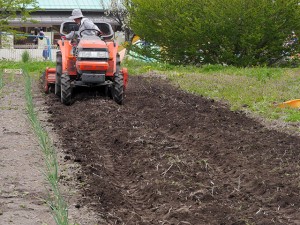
<point>118,86</point>
<point>66,89</point>
<point>57,89</point>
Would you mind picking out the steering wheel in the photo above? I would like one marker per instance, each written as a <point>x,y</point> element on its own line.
<point>98,33</point>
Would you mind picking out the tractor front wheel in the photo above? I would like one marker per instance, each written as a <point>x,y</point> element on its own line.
<point>66,89</point>
<point>118,88</point>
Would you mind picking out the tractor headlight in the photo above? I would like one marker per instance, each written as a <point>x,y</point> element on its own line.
<point>93,54</point>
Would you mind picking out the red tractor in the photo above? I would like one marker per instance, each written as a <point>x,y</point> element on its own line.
<point>90,62</point>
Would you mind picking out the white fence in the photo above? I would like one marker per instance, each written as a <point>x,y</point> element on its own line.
<point>15,54</point>
<point>36,51</point>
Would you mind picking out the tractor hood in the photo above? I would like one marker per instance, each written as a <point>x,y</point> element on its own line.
<point>92,55</point>
<point>91,42</point>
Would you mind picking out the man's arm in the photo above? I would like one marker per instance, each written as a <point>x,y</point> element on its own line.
<point>71,35</point>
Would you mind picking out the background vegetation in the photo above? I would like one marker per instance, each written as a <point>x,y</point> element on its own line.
<point>13,9</point>
<point>232,32</point>
<point>34,68</point>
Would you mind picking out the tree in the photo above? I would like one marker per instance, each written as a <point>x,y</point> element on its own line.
<point>233,32</point>
<point>117,10</point>
<point>15,8</point>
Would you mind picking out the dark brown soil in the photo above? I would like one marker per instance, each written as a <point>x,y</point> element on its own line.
<point>169,157</point>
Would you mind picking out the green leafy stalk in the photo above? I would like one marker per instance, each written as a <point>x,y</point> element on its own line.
<point>1,79</point>
<point>56,202</point>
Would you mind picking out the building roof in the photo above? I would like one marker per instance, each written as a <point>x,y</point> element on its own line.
<point>48,18</point>
<point>55,12</point>
<point>63,5</point>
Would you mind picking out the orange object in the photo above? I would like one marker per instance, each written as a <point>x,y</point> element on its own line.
<point>124,71</point>
<point>48,79</point>
<point>92,66</point>
<point>90,61</point>
<point>295,103</point>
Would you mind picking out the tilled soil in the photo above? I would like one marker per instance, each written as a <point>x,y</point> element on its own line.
<point>169,157</point>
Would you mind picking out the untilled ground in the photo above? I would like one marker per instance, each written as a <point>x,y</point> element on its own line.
<point>23,189</point>
<point>168,157</point>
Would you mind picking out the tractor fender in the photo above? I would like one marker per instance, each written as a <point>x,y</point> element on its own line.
<point>124,71</point>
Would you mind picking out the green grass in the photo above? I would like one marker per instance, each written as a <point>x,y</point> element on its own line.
<point>257,89</point>
<point>34,68</point>
<point>1,80</point>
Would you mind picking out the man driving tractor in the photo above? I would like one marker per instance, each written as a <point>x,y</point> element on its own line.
<point>86,60</point>
<point>86,26</point>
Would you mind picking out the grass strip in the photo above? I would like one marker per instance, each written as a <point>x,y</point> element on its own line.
<point>55,201</point>
<point>1,79</point>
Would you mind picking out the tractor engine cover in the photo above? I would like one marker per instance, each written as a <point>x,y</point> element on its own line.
<point>92,56</point>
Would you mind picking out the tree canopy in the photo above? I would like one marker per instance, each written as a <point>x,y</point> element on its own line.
<point>15,8</point>
<point>232,32</point>
<point>117,10</point>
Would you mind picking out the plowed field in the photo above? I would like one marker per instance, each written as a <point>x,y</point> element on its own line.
<point>169,157</point>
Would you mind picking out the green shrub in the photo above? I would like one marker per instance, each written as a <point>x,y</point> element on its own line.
<point>228,32</point>
<point>25,56</point>
<point>1,79</point>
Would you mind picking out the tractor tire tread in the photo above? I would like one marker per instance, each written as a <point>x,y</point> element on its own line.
<point>66,89</point>
<point>118,92</point>
<point>57,89</point>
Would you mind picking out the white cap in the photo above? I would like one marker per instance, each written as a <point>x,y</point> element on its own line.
<point>76,13</point>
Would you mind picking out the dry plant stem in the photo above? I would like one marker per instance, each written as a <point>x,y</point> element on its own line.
<point>165,172</point>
